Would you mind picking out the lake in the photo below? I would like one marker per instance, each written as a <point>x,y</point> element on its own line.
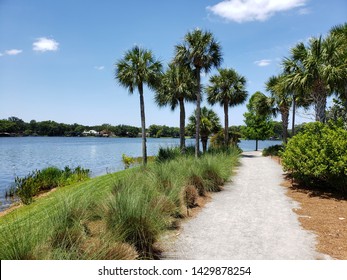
<point>21,155</point>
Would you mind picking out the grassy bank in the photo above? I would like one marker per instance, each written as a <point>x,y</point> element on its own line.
<point>115,216</point>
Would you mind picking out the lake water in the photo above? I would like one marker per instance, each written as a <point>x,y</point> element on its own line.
<point>21,155</point>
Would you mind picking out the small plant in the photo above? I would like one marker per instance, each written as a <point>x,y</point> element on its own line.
<point>168,153</point>
<point>274,150</point>
<point>127,161</point>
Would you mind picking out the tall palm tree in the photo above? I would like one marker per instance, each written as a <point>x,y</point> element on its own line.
<point>281,99</point>
<point>177,86</point>
<point>201,52</point>
<point>228,89</point>
<point>209,124</point>
<point>139,67</point>
<point>315,69</point>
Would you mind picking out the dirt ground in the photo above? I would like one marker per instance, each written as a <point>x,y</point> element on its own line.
<point>325,214</point>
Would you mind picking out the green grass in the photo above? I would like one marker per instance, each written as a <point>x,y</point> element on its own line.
<point>115,216</point>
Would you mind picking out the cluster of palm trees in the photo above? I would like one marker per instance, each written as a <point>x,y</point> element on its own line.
<point>181,83</point>
<point>311,73</point>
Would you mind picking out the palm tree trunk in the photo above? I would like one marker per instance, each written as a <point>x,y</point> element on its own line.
<point>320,102</point>
<point>226,124</point>
<point>293,121</point>
<point>256,144</point>
<point>197,116</point>
<point>143,125</point>
<point>285,121</point>
<point>204,140</point>
<point>182,126</point>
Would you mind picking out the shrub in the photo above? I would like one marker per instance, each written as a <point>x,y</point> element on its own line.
<point>318,155</point>
<point>42,180</point>
<point>127,161</point>
<point>274,150</point>
<point>168,153</point>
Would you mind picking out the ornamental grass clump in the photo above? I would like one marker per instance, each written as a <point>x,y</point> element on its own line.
<point>20,240</point>
<point>135,214</point>
<point>318,156</point>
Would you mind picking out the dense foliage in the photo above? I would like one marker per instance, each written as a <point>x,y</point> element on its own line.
<point>157,131</point>
<point>46,179</point>
<point>318,155</point>
<point>274,150</point>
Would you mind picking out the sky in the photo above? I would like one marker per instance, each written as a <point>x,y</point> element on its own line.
<point>57,58</point>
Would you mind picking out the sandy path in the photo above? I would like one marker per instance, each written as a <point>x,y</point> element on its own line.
<point>251,219</point>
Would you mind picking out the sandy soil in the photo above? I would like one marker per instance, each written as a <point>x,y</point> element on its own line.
<point>326,215</point>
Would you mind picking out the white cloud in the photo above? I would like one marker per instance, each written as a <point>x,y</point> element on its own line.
<point>13,52</point>
<point>263,62</point>
<point>44,44</point>
<point>252,10</point>
<point>99,68</point>
<point>1,54</point>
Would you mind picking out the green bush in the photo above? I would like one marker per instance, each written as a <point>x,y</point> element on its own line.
<point>274,150</point>
<point>168,153</point>
<point>127,161</point>
<point>318,155</point>
<point>46,179</point>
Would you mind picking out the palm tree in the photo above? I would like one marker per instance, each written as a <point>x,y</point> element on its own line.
<point>281,99</point>
<point>201,52</point>
<point>228,89</point>
<point>315,69</point>
<point>209,124</point>
<point>177,85</point>
<point>139,67</point>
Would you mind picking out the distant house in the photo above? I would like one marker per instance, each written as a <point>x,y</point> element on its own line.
<point>90,133</point>
<point>105,133</point>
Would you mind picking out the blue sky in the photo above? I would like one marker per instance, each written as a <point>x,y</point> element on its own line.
<point>57,57</point>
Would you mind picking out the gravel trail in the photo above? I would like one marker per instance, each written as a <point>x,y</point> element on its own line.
<point>251,219</point>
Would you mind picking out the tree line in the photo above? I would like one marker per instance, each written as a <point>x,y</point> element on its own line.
<point>16,126</point>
